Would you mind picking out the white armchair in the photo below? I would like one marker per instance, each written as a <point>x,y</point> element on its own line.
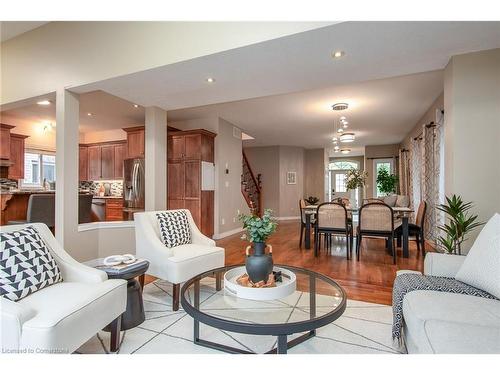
<point>61,317</point>
<point>177,264</point>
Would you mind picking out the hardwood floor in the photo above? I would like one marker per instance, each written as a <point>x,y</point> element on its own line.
<point>368,280</point>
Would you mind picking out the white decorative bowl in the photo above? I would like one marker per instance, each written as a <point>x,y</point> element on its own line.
<point>282,289</point>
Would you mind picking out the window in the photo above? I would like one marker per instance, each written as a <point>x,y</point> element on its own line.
<point>340,182</point>
<point>343,165</point>
<point>38,166</point>
<point>379,164</point>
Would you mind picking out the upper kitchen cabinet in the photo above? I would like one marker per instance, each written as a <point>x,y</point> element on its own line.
<point>135,142</point>
<point>16,170</point>
<point>191,145</point>
<point>5,141</point>
<point>83,157</point>
<point>102,161</point>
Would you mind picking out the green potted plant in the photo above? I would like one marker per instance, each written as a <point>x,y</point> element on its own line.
<point>459,223</point>
<point>386,181</point>
<point>259,265</point>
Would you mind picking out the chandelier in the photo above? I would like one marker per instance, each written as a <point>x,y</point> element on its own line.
<point>339,128</point>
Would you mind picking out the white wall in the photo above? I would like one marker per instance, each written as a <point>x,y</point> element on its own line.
<point>68,54</point>
<point>472,130</point>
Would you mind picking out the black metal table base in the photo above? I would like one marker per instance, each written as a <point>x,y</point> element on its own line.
<point>282,346</point>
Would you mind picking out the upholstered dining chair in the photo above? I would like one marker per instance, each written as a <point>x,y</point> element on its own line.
<point>61,317</point>
<point>41,209</point>
<point>302,209</point>
<point>415,229</point>
<point>332,218</point>
<point>175,264</point>
<point>376,219</point>
<point>372,200</point>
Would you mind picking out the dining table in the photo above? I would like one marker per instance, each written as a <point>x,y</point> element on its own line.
<point>402,212</point>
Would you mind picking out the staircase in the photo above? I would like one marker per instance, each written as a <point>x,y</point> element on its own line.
<point>251,188</point>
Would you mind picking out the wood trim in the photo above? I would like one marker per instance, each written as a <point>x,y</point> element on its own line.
<point>5,126</point>
<point>134,128</point>
<point>110,143</point>
<point>19,136</point>
<point>256,184</point>
<point>194,131</point>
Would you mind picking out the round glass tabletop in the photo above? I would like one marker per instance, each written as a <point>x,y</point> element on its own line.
<point>317,301</point>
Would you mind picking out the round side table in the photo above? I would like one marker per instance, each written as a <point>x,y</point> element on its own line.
<point>134,314</point>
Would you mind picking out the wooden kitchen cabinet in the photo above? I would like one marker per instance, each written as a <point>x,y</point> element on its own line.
<point>5,141</point>
<point>186,150</point>
<point>120,151</point>
<point>102,161</point>
<point>83,163</point>
<point>135,141</point>
<point>114,209</point>
<point>94,163</point>
<point>16,170</point>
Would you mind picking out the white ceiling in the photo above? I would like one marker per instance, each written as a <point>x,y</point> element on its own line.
<point>11,29</point>
<point>380,112</point>
<point>108,112</point>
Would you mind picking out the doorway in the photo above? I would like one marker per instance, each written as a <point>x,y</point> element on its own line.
<point>337,179</point>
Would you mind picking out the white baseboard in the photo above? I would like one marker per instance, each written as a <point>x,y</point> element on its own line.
<point>288,218</point>
<point>218,236</point>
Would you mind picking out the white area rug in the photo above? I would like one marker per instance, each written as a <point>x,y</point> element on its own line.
<point>364,328</point>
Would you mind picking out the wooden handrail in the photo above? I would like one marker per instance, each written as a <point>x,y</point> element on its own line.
<point>251,172</point>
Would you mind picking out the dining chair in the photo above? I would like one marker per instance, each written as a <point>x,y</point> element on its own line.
<point>416,230</point>
<point>84,208</point>
<point>302,209</point>
<point>41,209</point>
<point>376,219</point>
<point>332,218</point>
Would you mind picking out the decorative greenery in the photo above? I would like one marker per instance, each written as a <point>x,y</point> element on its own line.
<point>459,223</point>
<point>312,200</point>
<point>355,178</point>
<point>386,182</point>
<point>258,229</point>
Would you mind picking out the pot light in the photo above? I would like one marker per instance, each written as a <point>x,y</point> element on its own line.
<point>347,137</point>
<point>338,54</point>
<point>345,150</point>
<point>210,80</point>
<point>90,114</point>
<point>136,105</point>
<point>43,102</point>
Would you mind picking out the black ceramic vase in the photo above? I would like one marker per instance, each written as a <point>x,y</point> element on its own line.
<point>259,265</point>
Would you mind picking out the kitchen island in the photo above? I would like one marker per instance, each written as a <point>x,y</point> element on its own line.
<point>14,204</point>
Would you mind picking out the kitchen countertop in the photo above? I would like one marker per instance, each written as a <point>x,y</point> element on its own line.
<point>108,197</point>
<point>19,192</point>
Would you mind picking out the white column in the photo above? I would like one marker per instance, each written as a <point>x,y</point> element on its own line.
<point>67,122</point>
<point>156,159</point>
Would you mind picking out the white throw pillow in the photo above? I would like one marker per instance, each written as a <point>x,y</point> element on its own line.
<point>481,267</point>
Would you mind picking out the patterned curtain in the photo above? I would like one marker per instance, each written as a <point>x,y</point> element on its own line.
<point>405,181</point>
<point>431,178</point>
<point>416,167</point>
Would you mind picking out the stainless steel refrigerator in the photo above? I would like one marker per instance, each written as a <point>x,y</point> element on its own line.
<point>133,187</point>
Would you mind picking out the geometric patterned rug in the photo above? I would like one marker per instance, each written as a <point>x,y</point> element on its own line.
<point>364,328</point>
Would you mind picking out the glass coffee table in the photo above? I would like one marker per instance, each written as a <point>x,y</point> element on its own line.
<point>317,301</point>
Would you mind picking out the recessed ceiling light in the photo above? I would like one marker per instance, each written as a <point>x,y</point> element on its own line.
<point>90,114</point>
<point>210,80</point>
<point>43,102</point>
<point>345,150</point>
<point>338,54</point>
<point>136,105</point>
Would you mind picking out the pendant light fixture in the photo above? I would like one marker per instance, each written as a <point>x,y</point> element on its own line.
<point>340,134</point>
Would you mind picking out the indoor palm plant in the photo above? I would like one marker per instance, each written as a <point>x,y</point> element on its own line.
<point>459,223</point>
<point>386,181</point>
<point>259,265</point>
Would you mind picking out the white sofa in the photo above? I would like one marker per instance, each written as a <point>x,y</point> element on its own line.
<point>439,322</point>
<point>61,317</point>
<point>177,264</point>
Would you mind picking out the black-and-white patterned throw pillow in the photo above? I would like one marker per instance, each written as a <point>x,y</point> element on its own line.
<point>174,228</point>
<point>26,264</point>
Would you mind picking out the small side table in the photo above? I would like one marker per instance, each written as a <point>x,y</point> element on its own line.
<point>134,314</point>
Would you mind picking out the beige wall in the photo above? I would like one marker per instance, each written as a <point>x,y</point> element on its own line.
<point>472,130</point>
<point>376,152</point>
<point>38,138</point>
<point>429,116</point>
<point>291,160</point>
<point>314,169</point>
<point>103,136</point>
<point>68,54</point>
